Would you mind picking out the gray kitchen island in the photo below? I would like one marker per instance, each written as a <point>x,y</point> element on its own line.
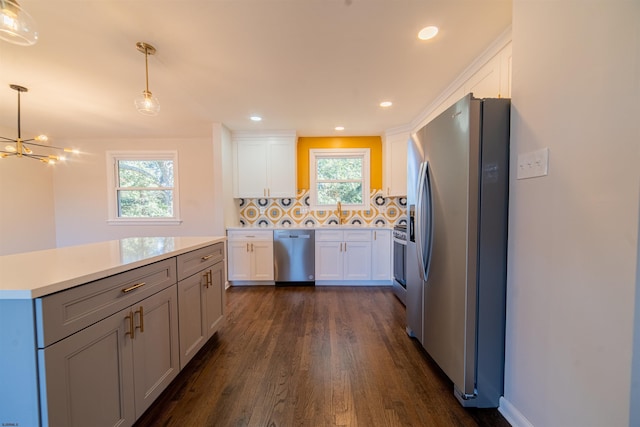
<point>92,334</point>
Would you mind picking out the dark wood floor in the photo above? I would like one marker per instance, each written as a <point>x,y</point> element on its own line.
<point>313,356</point>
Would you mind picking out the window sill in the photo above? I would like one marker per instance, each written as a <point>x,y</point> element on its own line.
<point>145,221</point>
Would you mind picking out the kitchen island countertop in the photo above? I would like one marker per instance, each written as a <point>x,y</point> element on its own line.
<point>35,274</point>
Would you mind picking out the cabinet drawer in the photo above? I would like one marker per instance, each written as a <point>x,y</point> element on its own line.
<point>250,235</point>
<point>194,261</point>
<point>329,236</point>
<point>357,235</point>
<point>64,313</point>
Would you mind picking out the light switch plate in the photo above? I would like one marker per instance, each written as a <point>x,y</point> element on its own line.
<point>533,164</point>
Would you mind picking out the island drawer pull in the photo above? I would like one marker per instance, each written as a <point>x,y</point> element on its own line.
<point>131,288</point>
<point>204,258</point>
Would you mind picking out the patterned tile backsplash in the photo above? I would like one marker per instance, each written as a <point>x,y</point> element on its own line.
<point>383,211</point>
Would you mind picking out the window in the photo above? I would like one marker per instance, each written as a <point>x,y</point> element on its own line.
<point>143,187</point>
<point>339,175</point>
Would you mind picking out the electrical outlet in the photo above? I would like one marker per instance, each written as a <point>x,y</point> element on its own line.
<point>533,164</point>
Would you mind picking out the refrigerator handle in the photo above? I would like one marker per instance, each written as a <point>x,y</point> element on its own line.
<point>418,219</point>
<point>428,207</point>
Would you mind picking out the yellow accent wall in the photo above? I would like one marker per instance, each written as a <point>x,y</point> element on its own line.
<point>374,143</point>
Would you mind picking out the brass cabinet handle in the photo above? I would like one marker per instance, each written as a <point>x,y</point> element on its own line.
<point>247,247</point>
<point>132,330</point>
<point>345,246</point>
<point>206,279</point>
<point>209,278</point>
<point>252,247</point>
<point>130,288</point>
<point>141,313</point>
<point>375,235</point>
<point>340,246</point>
<point>204,258</point>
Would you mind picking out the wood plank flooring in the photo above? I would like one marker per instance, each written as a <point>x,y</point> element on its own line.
<point>313,356</point>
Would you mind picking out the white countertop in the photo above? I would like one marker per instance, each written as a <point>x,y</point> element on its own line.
<point>316,227</point>
<point>35,274</point>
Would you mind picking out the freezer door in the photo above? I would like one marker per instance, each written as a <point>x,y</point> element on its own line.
<point>451,144</point>
<point>414,298</point>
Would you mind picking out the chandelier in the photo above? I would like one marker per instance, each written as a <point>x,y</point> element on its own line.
<point>24,147</point>
<point>147,104</point>
<point>16,25</point>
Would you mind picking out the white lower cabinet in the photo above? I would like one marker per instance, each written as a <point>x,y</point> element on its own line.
<point>343,254</point>
<point>381,256</point>
<point>109,373</point>
<point>250,255</point>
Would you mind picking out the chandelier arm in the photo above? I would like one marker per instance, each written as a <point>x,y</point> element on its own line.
<point>8,139</point>
<point>28,142</point>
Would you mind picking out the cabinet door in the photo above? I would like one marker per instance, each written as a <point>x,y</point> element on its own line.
<point>193,323</point>
<point>357,260</point>
<point>155,346</point>
<point>88,376</point>
<point>282,169</point>
<point>239,260</point>
<point>381,255</point>
<point>329,260</point>
<point>214,300</point>
<point>396,164</point>
<point>262,259</point>
<point>251,169</point>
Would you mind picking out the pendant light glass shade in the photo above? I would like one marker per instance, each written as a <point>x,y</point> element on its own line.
<point>16,25</point>
<point>147,104</point>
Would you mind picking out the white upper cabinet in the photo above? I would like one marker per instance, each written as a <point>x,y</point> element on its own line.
<point>395,164</point>
<point>264,164</point>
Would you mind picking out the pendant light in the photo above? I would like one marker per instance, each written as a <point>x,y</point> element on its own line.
<point>19,147</point>
<point>16,25</point>
<point>147,104</point>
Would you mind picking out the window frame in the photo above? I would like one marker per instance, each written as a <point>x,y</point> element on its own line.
<point>316,153</point>
<point>113,157</point>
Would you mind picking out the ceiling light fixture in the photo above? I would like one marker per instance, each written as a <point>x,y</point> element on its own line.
<point>147,104</point>
<point>428,33</point>
<point>385,104</point>
<point>16,25</point>
<point>22,147</point>
<point>256,118</point>
<point>339,128</point>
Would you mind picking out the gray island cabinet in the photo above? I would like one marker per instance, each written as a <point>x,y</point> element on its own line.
<point>98,341</point>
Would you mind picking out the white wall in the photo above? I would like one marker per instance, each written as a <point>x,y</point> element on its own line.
<point>573,235</point>
<point>223,165</point>
<point>81,192</point>
<point>26,204</point>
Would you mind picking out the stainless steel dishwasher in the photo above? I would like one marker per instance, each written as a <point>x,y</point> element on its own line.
<point>294,257</point>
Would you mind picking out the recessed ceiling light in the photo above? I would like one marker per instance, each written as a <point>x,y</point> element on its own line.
<point>256,118</point>
<point>385,104</point>
<point>339,128</point>
<point>428,33</point>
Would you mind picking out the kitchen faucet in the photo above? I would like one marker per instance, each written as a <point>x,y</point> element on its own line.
<point>341,217</point>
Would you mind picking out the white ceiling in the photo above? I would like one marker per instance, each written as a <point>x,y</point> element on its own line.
<point>306,65</point>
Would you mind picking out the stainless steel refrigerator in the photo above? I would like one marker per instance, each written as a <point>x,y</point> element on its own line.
<point>457,195</point>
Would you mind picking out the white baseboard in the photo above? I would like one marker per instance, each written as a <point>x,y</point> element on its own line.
<point>512,415</point>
